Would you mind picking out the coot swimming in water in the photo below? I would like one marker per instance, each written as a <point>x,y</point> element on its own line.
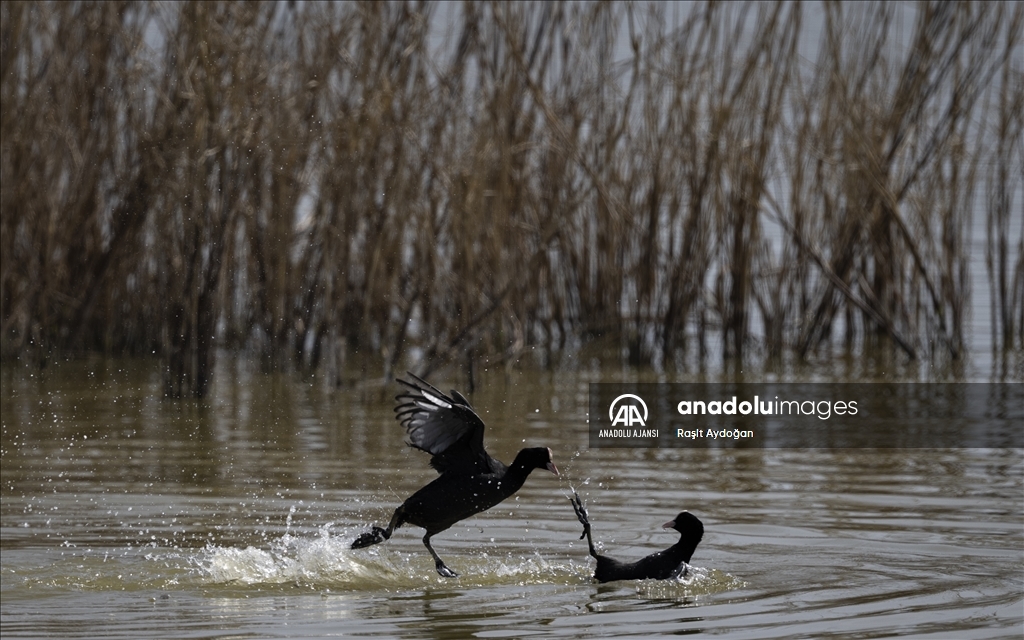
<point>471,481</point>
<point>669,563</point>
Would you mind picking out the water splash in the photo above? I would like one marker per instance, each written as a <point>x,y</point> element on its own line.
<point>327,562</point>
<point>690,585</point>
<point>325,559</point>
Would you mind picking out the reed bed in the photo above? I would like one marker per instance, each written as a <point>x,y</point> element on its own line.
<point>320,182</point>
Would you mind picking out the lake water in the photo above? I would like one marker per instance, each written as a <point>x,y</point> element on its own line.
<point>127,516</point>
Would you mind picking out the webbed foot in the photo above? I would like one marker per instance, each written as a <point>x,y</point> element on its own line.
<point>444,571</point>
<point>375,536</point>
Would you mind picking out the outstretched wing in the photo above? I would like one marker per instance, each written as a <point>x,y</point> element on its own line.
<point>445,427</point>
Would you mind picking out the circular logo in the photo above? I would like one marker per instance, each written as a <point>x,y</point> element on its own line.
<point>627,416</point>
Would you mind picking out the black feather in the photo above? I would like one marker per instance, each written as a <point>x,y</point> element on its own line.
<point>443,426</point>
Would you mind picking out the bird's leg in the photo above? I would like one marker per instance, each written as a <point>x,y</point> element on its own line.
<point>581,514</point>
<point>439,564</point>
<point>378,535</point>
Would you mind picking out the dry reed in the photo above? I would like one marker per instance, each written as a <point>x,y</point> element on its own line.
<point>319,181</point>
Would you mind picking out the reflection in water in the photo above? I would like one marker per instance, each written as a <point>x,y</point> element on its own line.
<point>127,516</point>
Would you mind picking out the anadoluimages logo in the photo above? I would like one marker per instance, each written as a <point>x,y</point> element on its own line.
<point>628,413</point>
<point>782,415</point>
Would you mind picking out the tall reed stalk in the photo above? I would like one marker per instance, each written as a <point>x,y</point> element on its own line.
<point>326,184</point>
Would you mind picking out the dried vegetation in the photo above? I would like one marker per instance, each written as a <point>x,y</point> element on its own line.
<point>314,182</point>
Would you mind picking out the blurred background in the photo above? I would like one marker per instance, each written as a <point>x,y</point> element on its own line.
<point>226,227</point>
<point>336,187</point>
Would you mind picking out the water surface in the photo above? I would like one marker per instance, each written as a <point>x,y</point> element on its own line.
<point>127,516</point>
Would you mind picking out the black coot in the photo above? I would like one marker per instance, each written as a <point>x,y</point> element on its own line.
<point>669,563</point>
<point>470,482</point>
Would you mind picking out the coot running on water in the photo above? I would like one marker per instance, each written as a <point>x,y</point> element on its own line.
<point>470,482</point>
<point>669,563</point>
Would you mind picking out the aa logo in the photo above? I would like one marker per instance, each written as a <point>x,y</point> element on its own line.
<point>626,411</point>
